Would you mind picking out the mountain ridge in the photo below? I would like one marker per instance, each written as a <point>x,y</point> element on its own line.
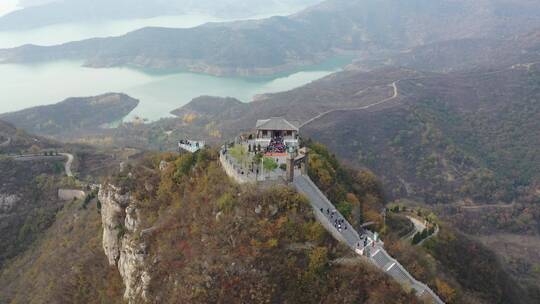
<point>72,114</point>
<point>331,28</point>
<point>45,13</point>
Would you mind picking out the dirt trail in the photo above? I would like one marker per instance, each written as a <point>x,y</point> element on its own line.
<point>496,206</point>
<point>394,96</point>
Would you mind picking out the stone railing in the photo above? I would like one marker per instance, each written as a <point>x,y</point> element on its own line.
<point>191,146</point>
<point>235,170</point>
<point>243,175</point>
<point>393,268</point>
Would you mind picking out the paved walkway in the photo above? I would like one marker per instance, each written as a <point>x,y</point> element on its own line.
<point>375,250</point>
<point>319,201</point>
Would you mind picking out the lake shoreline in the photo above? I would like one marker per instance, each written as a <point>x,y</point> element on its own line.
<point>30,85</point>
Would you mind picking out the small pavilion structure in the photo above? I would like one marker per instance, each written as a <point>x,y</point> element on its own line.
<point>190,146</point>
<point>276,131</point>
<point>270,153</point>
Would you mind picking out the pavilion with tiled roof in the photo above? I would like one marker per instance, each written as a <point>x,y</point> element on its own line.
<point>276,127</point>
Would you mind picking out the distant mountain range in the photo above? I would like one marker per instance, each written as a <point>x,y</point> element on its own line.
<point>367,28</point>
<point>48,12</point>
<point>471,53</point>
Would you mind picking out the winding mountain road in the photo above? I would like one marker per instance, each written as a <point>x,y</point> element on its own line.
<point>394,96</point>
<point>418,228</point>
<point>488,206</point>
<point>68,164</point>
<point>40,157</point>
<point>6,143</point>
<point>394,85</point>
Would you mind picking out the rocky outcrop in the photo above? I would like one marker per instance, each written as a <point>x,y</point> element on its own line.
<point>70,194</point>
<point>7,202</point>
<point>123,243</point>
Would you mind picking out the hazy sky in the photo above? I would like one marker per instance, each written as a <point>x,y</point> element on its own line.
<point>7,6</point>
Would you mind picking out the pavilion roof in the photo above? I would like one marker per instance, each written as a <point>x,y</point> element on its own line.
<point>275,123</point>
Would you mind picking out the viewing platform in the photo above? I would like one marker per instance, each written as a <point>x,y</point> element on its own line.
<point>269,154</point>
<point>191,146</point>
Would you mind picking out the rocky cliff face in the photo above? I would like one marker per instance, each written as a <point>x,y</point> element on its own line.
<point>7,202</point>
<point>123,242</point>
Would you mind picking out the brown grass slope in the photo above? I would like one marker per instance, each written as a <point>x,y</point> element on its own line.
<point>66,265</point>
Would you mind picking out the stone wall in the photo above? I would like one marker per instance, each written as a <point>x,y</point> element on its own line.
<point>233,172</point>
<point>70,194</point>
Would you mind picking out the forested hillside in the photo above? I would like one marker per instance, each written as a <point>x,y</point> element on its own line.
<point>28,203</point>
<point>202,234</point>
<point>458,268</point>
<point>73,114</point>
<point>440,138</point>
<point>464,142</point>
<point>65,264</point>
<point>210,240</point>
<point>457,137</point>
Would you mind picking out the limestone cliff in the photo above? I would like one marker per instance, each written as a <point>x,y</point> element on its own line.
<point>7,202</point>
<point>123,242</point>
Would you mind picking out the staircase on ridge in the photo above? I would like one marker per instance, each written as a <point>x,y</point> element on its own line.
<point>378,257</point>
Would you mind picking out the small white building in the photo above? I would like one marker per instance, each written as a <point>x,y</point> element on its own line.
<point>277,129</point>
<point>191,145</point>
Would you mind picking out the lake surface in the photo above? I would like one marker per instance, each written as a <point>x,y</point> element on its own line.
<point>23,86</point>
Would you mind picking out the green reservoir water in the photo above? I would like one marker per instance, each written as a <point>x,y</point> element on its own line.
<point>23,86</point>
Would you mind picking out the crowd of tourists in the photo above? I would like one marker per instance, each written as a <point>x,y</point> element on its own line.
<point>187,142</point>
<point>339,223</point>
<point>277,145</point>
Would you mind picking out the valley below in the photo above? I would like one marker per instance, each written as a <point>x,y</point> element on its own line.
<point>133,170</point>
